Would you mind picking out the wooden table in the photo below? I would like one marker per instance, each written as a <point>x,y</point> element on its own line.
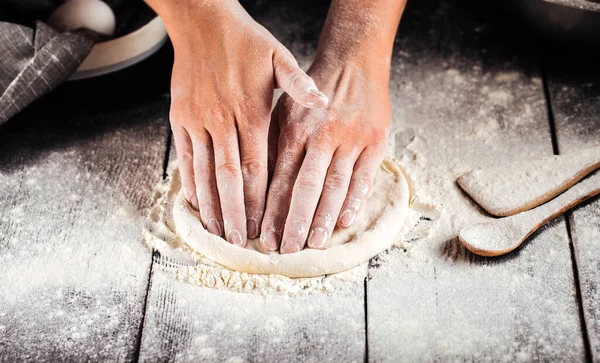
<point>77,170</point>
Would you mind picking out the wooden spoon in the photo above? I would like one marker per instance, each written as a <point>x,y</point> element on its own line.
<point>505,190</point>
<point>501,236</point>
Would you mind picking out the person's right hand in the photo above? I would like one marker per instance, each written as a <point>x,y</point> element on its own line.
<point>226,68</point>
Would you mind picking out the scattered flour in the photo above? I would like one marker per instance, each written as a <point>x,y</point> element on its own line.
<point>507,189</point>
<point>188,265</point>
<point>72,271</point>
<point>499,97</point>
<point>455,303</point>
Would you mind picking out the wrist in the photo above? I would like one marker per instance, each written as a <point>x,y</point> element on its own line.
<point>184,18</point>
<point>372,56</point>
<point>370,65</point>
<point>361,32</point>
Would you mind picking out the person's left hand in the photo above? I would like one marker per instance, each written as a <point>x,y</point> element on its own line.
<point>327,158</point>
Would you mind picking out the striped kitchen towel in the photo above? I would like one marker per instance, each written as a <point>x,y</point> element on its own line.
<point>35,61</point>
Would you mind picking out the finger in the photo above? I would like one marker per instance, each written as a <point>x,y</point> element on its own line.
<point>272,140</point>
<point>253,153</point>
<point>230,186</point>
<point>332,199</point>
<point>305,197</point>
<point>292,79</point>
<point>362,179</point>
<point>206,183</point>
<point>185,161</point>
<point>280,191</point>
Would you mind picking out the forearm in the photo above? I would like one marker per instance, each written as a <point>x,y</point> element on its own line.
<point>167,9</point>
<point>193,18</point>
<point>360,31</point>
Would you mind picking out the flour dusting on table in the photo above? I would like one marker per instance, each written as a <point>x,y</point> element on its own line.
<point>186,264</point>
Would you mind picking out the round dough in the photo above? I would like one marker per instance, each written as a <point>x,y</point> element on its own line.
<point>373,231</point>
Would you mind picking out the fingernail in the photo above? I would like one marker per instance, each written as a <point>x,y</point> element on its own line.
<point>347,218</point>
<point>320,99</point>
<point>270,241</point>
<point>251,228</point>
<point>315,92</point>
<point>214,227</point>
<point>290,245</point>
<point>317,238</point>
<point>354,204</point>
<point>192,200</point>
<point>236,238</point>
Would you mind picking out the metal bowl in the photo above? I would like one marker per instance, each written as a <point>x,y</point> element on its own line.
<point>564,20</point>
<point>119,53</point>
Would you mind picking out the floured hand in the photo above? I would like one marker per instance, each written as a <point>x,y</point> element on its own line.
<point>327,158</point>
<point>226,67</point>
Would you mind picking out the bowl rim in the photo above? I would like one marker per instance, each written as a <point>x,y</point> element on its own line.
<point>584,5</point>
<point>125,51</point>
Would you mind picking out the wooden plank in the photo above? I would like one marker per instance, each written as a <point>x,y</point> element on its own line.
<point>185,322</point>
<point>467,92</point>
<point>574,87</point>
<point>76,173</point>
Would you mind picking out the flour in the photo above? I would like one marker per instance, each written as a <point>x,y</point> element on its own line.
<point>484,131</point>
<point>454,303</point>
<point>456,135</point>
<point>504,235</point>
<point>499,97</point>
<point>188,265</point>
<point>71,265</point>
<point>507,189</point>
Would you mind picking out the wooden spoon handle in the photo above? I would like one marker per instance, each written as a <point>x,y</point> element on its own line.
<point>506,190</point>
<point>500,236</point>
<point>580,192</point>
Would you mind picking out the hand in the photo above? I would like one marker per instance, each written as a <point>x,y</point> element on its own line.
<point>327,158</point>
<point>226,67</point>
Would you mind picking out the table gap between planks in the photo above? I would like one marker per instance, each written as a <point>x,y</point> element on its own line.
<point>458,306</point>
<point>573,81</point>
<point>187,323</point>
<point>77,170</point>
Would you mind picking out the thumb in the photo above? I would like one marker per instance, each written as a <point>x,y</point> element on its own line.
<point>292,79</point>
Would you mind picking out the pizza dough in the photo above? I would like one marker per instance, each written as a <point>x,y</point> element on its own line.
<point>379,221</point>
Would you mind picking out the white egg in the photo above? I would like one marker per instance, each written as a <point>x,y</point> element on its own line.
<point>95,15</point>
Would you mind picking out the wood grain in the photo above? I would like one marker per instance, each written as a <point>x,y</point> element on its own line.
<point>185,322</point>
<point>76,174</point>
<point>504,235</point>
<point>468,97</point>
<point>506,190</point>
<point>574,87</point>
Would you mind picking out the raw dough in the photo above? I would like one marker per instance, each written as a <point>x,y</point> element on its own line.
<point>379,221</point>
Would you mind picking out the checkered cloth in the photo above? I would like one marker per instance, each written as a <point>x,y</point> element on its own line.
<point>35,61</point>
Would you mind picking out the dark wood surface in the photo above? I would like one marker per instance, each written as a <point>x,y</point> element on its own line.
<point>451,305</point>
<point>77,169</point>
<point>76,178</point>
<point>574,90</point>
